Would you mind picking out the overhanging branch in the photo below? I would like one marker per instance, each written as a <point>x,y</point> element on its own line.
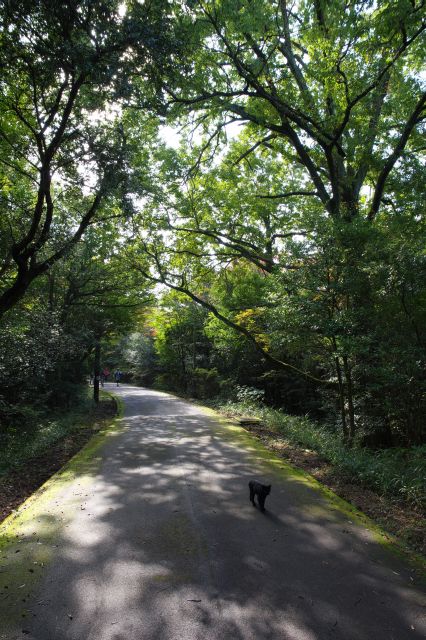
<point>280,364</point>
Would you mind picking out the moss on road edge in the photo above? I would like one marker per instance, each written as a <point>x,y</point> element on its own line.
<point>27,535</point>
<point>281,468</point>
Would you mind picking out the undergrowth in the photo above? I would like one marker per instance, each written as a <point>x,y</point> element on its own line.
<point>394,472</point>
<point>27,440</point>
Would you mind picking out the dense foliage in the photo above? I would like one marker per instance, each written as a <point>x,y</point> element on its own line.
<point>304,232</point>
<point>276,245</point>
<point>67,74</point>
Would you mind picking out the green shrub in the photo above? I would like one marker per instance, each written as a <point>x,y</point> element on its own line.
<point>205,382</point>
<point>249,396</point>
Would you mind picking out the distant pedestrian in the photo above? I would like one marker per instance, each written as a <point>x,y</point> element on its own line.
<point>117,376</point>
<point>106,373</point>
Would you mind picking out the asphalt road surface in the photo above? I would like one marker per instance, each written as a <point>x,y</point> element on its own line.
<point>162,543</point>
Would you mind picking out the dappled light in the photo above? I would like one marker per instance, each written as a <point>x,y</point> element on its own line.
<point>162,542</point>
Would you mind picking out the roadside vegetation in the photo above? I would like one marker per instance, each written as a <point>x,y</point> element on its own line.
<point>398,472</point>
<point>31,452</point>
<point>23,443</point>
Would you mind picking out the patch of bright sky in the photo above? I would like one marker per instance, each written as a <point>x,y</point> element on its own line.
<point>172,138</point>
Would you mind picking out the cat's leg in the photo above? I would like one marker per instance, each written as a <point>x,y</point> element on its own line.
<point>261,500</point>
<point>251,493</point>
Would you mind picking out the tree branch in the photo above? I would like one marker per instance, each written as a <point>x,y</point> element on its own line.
<point>288,194</point>
<point>397,152</point>
<point>233,325</point>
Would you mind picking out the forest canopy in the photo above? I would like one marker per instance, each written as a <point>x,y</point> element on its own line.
<point>275,247</point>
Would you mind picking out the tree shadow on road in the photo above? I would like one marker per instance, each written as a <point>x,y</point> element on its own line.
<point>166,546</point>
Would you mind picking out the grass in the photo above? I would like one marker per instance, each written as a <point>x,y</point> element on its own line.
<point>393,472</point>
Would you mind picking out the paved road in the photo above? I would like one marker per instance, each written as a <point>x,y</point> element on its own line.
<point>161,543</point>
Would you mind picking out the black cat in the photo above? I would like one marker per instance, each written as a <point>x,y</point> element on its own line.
<point>259,490</point>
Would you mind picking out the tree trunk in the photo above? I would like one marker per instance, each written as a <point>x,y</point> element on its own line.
<point>342,400</point>
<point>96,371</point>
<point>51,279</point>
<point>15,292</point>
<point>194,349</point>
<point>351,411</point>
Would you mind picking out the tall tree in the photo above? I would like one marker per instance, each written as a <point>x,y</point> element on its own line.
<point>333,90</point>
<point>335,85</point>
<point>66,71</point>
<point>333,93</point>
